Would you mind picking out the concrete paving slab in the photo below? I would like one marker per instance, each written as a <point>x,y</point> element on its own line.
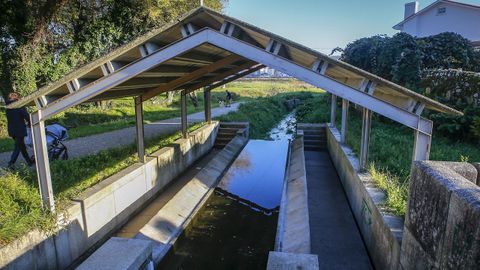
<point>119,253</point>
<point>291,261</point>
<point>335,237</point>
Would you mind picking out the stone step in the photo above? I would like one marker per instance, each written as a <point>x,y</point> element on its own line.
<point>314,148</point>
<point>307,126</point>
<point>230,132</point>
<point>232,125</point>
<point>314,132</point>
<point>223,139</point>
<point>219,145</point>
<point>314,137</point>
<point>314,141</point>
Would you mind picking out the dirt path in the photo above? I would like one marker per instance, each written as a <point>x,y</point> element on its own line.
<point>92,144</point>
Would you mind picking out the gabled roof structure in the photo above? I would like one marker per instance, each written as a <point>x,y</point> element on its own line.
<point>206,49</point>
<point>204,54</point>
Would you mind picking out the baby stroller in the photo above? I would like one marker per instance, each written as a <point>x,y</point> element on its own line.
<point>55,135</point>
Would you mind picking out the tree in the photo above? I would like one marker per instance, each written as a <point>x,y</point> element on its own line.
<point>363,53</point>
<point>43,40</point>
<point>400,60</point>
<point>448,50</point>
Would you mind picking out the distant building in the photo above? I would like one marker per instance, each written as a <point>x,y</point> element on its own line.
<point>267,72</point>
<point>442,16</point>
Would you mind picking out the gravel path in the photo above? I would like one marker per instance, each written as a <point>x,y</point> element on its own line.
<point>95,143</point>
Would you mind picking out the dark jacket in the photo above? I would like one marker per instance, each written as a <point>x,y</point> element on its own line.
<point>16,119</point>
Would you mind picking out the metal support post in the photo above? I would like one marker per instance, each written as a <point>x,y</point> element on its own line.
<point>366,126</point>
<point>184,114</point>
<point>207,105</point>
<point>41,161</point>
<point>343,134</point>
<point>140,129</point>
<point>423,142</point>
<point>333,111</point>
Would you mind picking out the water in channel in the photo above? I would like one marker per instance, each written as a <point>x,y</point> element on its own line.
<point>236,227</point>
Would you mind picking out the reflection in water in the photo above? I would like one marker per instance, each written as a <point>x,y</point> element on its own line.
<point>260,181</point>
<point>225,234</point>
<point>234,229</point>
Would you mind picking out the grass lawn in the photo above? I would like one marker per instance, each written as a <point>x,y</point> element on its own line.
<point>20,206</point>
<point>390,150</point>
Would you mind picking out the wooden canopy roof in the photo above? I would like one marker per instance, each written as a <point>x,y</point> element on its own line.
<point>184,55</point>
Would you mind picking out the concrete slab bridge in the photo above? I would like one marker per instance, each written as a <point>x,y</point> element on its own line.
<point>206,49</point>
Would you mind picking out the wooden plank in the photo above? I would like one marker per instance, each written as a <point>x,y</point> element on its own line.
<point>220,76</point>
<point>192,76</point>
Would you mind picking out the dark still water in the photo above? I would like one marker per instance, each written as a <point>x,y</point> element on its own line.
<point>236,227</point>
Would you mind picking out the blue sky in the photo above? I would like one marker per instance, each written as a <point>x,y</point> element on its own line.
<point>323,24</point>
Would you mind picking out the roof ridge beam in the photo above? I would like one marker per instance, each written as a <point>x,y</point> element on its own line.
<point>341,90</point>
<point>192,76</point>
<point>101,85</point>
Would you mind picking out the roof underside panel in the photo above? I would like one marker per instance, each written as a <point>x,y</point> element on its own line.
<point>206,65</point>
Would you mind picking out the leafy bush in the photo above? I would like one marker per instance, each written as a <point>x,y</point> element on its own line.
<point>461,90</point>
<point>402,57</point>
<point>448,51</point>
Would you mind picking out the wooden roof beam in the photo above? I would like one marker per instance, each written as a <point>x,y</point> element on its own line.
<point>235,77</point>
<point>192,76</point>
<point>220,77</point>
<point>144,64</point>
<point>365,100</point>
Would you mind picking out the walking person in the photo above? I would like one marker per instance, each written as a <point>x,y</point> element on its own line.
<point>229,98</point>
<point>17,120</point>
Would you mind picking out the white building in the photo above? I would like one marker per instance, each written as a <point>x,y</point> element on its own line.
<point>442,16</point>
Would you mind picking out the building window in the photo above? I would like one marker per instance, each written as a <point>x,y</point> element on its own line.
<point>441,11</point>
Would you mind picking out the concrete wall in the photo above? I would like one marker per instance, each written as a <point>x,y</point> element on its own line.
<point>106,206</point>
<point>442,223</point>
<point>382,232</point>
<point>168,223</point>
<point>293,228</point>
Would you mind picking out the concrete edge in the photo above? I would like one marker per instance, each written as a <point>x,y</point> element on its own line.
<point>292,261</point>
<point>381,231</point>
<point>294,209</point>
<point>23,249</point>
<point>165,240</point>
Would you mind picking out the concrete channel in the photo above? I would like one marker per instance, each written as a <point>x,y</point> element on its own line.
<point>304,223</point>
